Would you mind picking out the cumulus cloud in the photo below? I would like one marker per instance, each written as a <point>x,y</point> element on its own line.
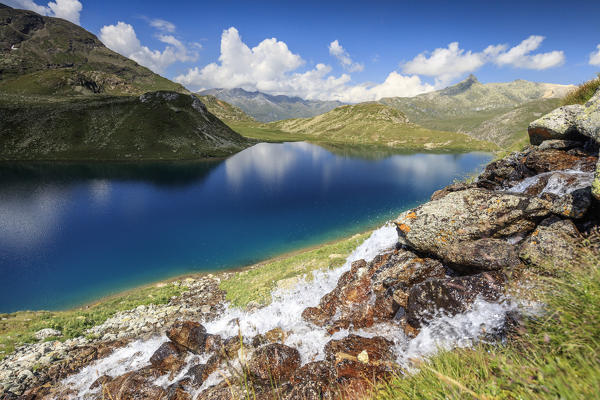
<point>271,66</point>
<point>520,56</point>
<point>66,9</point>
<point>595,56</point>
<point>162,25</point>
<point>336,50</point>
<point>449,63</point>
<point>123,39</point>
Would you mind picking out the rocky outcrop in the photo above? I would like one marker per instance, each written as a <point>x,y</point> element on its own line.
<point>587,121</point>
<point>558,124</point>
<point>553,243</point>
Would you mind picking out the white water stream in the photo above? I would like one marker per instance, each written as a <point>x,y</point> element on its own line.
<point>285,313</point>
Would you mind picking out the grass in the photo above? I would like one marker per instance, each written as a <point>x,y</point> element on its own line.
<point>556,356</point>
<point>583,92</point>
<point>255,284</point>
<point>263,132</point>
<point>19,328</point>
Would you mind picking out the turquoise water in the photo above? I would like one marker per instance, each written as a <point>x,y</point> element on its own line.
<point>71,233</point>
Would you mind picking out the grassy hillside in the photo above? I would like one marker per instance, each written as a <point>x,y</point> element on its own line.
<point>498,112</point>
<point>582,93</point>
<point>49,56</point>
<point>224,111</point>
<point>375,125</point>
<point>154,126</point>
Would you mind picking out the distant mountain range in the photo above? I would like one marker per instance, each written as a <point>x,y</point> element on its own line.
<point>496,112</point>
<point>266,108</point>
<point>64,95</point>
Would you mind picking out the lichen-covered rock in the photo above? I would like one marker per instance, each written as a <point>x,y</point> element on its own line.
<point>198,373</point>
<point>573,205</point>
<point>559,144</point>
<point>553,243</point>
<point>480,255</point>
<point>47,333</point>
<point>188,334</point>
<point>451,296</point>
<point>360,357</point>
<point>469,215</point>
<point>168,358</point>
<point>596,183</point>
<point>455,187</point>
<point>502,173</point>
<point>313,381</point>
<point>557,124</point>
<point>274,362</point>
<point>587,121</point>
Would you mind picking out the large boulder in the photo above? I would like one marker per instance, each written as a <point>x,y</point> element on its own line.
<point>587,121</point>
<point>188,334</point>
<point>552,244</point>
<point>451,296</point>
<point>553,160</point>
<point>435,227</point>
<point>558,124</point>
<point>168,358</point>
<point>360,357</point>
<point>274,362</point>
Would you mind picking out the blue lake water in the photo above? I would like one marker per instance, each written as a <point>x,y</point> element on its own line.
<point>71,233</point>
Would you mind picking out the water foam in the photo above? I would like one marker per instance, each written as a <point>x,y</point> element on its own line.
<point>558,182</point>
<point>285,313</point>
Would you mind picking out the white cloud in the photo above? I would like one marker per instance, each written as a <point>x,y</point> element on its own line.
<point>122,39</point>
<point>446,64</point>
<point>66,9</point>
<point>270,67</point>
<point>336,50</point>
<point>162,25</point>
<point>595,56</point>
<point>520,56</point>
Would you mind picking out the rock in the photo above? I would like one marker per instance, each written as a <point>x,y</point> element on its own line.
<point>480,255</point>
<point>359,357</point>
<point>199,373</point>
<point>47,333</point>
<point>188,334</point>
<point>168,358</point>
<point>559,144</point>
<point>596,184</point>
<point>213,344</point>
<point>177,391</point>
<point>553,160</point>
<point>502,173</point>
<point>276,335</point>
<point>553,243</point>
<point>451,296</point>
<point>133,386</point>
<point>469,215</point>
<point>222,391</point>
<point>274,362</point>
<point>455,187</point>
<point>313,381</point>
<point>371,292</point>
<point>557,124</point>
<point>100,382</point>
<point>573,205</point>
<point>587,121</point>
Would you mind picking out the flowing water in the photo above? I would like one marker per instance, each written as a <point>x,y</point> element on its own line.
<point>71,233</point>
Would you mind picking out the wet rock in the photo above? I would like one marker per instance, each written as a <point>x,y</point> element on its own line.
<point>213,343</point>
<point>133,386</point>
<point>313,381</point>
<point>573,205</point>
<point>223,391</point>
<point>451,296</point>
<point>177,391</point>
<point>188,334</point>
<point>559,144</point>
<point>558,124</point>
<point>274,361</point>
<point>587,121</point>
<point>168,358</point>
<point>359,357</point>
<point>371,292</point>
<point>199,373</point>
<point>553,160</point>
<point>47,333</point>
<point>480,255</point>
<point>469,215</point>
<point>502,173</point>
<point>552,244</point>
<point>100,382</point>
<point>276,335</point>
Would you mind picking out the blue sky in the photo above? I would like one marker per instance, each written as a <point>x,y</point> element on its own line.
<point>382,48</point>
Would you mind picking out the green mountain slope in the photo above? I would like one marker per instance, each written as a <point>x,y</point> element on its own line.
<point>472,107</point>
<point>224,111</point>
<point>65,96</point>
<point>44,55</point>
<point>375,124</point>
<point>153,126</point>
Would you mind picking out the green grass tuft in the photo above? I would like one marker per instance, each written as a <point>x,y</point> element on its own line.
<point>583,92</point>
